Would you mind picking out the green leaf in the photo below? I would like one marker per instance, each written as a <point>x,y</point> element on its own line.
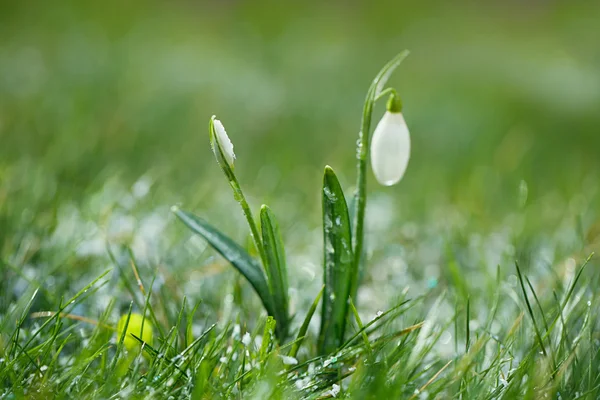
<point>384,75</point>
<point>276,268</point>
<point>232,252</point>
<point>361,268</point>
<point>338,264</point>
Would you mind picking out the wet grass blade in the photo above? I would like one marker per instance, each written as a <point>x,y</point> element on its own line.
<point>305,325</point>
<point>276,269</point>
<point>232,252</point>
<point>121,342</point>
<point>361,327</point>
<point>530,310</point>
<point>270,327</point>
<point>338,262</point>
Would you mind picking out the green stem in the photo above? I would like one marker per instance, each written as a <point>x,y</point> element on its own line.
<point>239,196</point>
<point>361,186</point>
<point>385,92</point>
<point>375,92</point>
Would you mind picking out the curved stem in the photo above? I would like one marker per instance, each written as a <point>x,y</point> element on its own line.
<point>361,187</point>
<point>375,92</point>
<point>385,92</point>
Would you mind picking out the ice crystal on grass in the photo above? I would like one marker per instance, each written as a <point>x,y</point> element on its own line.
<point>246,339</point>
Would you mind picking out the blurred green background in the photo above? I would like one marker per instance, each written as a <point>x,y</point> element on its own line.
<point>502,100</point>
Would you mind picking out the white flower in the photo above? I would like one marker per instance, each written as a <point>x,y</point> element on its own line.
<point>390,148</point>
<point>224,142</point>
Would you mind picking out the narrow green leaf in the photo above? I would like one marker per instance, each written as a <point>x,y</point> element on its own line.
<point>21,320</point>
<point>392,313</point>
<point>361,268</point>
<point>121,342</point>
<point>530,310</point>
<point>202,378</point>
<point>305,324</point>
<point>467,328</point>
<point>232,252</point>
<point>71,303</point>
<point>338,264</point>
<point>361,327</point>
<point>384,75</point>
<point>276,268</point>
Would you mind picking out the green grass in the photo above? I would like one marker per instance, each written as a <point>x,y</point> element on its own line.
<point>479,280</point>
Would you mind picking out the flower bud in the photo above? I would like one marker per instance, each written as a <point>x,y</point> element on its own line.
<point>390,146</point>
<point>223,142</point>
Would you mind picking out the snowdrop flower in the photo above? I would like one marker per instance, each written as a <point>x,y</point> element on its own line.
<point>390,146</point>
<point>223,141</point>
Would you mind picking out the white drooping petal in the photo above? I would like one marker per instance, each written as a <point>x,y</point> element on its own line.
<point>390,149</point>
<point>224,142</point>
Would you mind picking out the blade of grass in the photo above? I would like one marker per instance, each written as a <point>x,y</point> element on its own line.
<point>270,326</point>
<point>121,342</point>
<point>430,381</point>
<point>568,295</point>
<point>361,327</point>
<point>467,328</point>
<point>159,358</point>
<point>21,320</point>
<point>71,302</point>
<point>380,317</point>
<point>544,320</point>
<point>530,310</point>
<point>305,324</point>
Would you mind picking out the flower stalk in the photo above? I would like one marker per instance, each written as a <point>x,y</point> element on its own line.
<point>223,149</point>
<point>374,92</point>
